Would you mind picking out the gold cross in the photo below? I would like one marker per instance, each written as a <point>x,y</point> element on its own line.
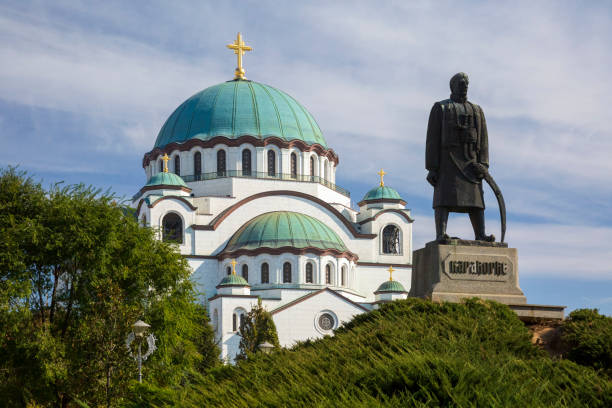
<point>381,173</point>
<point>165,158</point>
<point>239,48</point>
<point>233,266</point>
<point>391,272</point>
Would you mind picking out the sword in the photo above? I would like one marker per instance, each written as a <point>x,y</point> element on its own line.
<point>491,182</point>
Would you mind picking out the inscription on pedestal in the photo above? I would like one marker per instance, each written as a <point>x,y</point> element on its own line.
<point>459,266</point>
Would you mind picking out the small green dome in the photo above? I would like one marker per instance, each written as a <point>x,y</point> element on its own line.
<point>391,286</point>
<point>382,192</point>
<point>166,179</point>
<point>237,108</point>
<point>233,280</point>
<point>284,229</point>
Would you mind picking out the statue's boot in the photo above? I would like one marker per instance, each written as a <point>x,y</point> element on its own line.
<point>478,224</point>
<point>441,217</point>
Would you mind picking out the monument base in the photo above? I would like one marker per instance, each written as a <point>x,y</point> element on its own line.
<point>460,269</point>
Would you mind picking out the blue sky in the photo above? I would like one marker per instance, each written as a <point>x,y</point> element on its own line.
<point>85,87</point>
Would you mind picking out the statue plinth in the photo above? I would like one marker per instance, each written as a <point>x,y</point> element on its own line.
<point>459,269</point>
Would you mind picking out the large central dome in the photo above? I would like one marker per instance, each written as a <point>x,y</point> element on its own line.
<point>238,108</point>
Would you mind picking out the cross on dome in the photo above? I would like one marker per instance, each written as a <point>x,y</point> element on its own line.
<point>165,158</point>
<point>239,48</point>
<point>391,270</point>
<point>381,173</point>
<point>233,263</point>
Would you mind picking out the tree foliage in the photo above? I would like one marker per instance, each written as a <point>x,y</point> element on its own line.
<point>75,272</point>
<point>257,327</point>
<point>408,353</point>
<point>588,338</point>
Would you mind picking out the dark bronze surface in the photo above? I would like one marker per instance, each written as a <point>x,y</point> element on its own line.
<point>457,158</point>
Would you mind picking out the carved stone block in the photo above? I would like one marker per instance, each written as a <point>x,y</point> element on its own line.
<point>463,269</point>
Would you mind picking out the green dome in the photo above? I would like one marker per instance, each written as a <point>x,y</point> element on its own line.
<point>237,108</point>
<point>382,192</point>
<point>166,179</point>
<point>233,280</point>
<point>284,229</point>
<point>391,286</point>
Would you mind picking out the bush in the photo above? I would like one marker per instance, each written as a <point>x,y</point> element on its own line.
<point>587,336</point>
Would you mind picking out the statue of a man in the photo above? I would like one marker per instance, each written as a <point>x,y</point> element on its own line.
<point>457,156</point>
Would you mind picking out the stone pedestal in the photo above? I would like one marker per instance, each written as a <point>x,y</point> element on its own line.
<point>462,269</point>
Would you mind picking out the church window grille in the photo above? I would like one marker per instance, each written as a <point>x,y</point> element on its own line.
<point>228,270</point>
<point>197,165</point>
<point>246,162</point>
<point>328,274</point>
<point>286,272</point>
<point>234,322</point>
<point>221,164</point>
<point>326,321</point>
<point>293,165</point>
<point>177,165</point>
<point>309,277</point>
<point>343,276</point>
<point>161,165</point>
<point>172,230</point>
<point>265,273</point>
<point>391,240</point>
<point>271,163</point>
<point>245,272</point>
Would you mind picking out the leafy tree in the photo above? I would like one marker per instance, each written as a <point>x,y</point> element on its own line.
<point>76,271</point>
<point>588,338</point>
<point>257,327</point>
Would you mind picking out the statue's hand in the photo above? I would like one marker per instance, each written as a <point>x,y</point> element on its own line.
<point>480,170</point>
<point>432,177</point>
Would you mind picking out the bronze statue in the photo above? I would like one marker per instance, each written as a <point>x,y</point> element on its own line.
<point>457,157</point>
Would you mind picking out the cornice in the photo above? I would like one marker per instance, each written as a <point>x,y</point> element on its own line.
<point>393,210</point>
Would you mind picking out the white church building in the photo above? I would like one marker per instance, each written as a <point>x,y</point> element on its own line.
<point>242,179</point>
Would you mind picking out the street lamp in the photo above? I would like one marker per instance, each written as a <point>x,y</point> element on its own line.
<point>265,347</point>
<point>139,329</point>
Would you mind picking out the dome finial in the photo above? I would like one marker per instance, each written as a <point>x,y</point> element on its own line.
<point>233,266</point>
<point>165,158</point>
<point>239,48</point>
<point>391,272</point>
<point>381,173</point>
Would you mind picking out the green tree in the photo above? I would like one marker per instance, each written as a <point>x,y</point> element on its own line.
<point>587,335</point>
<point>76,271</point>
<point>257,327</point>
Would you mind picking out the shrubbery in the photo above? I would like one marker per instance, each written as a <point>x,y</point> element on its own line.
<point>587,336</point>
<point>408,353</point>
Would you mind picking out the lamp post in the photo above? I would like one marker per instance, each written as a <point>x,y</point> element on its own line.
<point>138,330</point>
<point>265,347</point>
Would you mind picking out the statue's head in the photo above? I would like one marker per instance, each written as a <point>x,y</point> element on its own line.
<point>459,85</point>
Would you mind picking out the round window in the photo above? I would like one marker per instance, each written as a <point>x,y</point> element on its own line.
<point>326,321</point>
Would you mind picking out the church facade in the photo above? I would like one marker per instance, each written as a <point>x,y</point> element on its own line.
<point>243,180</point>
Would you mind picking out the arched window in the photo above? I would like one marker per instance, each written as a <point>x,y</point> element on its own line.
<point>286,272</point>
<point>228,270</point>
<point>312,168</point>
<point>197,165</point>
<point>161,165</point>
<point>271,163</point>
<point>391,240</point>
<point>265,273</point>
<point>177,165</point>
<point>246,162</point>
<point>144,220</point>
<point>245,272</point>
<point>343,276</point>
<point>293,165</point>
<point>172,228</point>
<point>221,164</point>
<point>325,170</point>
<point>309,277</point>
<point>235,322</point>
<point>328,274</point>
